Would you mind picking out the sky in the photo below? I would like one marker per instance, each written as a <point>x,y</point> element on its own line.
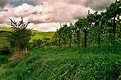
<point>47,15</point>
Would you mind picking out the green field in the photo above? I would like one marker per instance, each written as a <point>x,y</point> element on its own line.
<point>41,35</point>
<point>89,49</point>
<point>35,34</point>
<point>96,63</point>
<point>5,29</point>
<point>102,62</point>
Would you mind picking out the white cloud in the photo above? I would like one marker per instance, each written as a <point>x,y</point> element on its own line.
<point>46,15</point>
<point>94,4</point>
<point>46,27</point>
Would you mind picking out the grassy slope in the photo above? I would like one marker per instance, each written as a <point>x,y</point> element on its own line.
<point>5,29</point>
<point>36,35</point>
<point>64,64</point>
<point>96,63</point>
<point>42,35</point>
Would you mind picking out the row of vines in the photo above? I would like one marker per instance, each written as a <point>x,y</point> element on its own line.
<point>97,28</point>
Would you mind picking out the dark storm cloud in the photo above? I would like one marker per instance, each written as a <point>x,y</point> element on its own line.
<point>93,4</point>
<point>3,3</point>
<point>98,4</point>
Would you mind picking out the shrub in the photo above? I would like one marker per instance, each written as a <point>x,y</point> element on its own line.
<point>36,44</point>
<point>19,38</point>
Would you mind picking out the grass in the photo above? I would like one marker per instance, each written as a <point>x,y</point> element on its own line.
<point>93,63</point>
<point>64,64</point>
<point>5,29</point>
<point>41,35</point>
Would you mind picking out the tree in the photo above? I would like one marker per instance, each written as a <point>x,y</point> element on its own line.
<point>70,34</point>
<point>19,39</point>
<point>59,37</point>
<point>78,27</point>
<point>111,12</point>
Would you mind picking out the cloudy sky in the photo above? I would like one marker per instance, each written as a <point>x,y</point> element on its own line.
<point>46,15</point>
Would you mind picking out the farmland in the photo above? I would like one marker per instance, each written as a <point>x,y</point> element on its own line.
<point>89,49</point>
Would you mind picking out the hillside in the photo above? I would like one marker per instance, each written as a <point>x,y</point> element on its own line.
<point>41,35</point>
<point>6,32</point>
<point>86,49</point>
<point>35,34</point>
<point>96,63</point>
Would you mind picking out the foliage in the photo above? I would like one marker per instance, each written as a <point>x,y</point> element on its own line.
<point>36,44</point>
<point>93,29</point>
<point>20,38</point>
<point>4,43</point>
<point>102,62</point>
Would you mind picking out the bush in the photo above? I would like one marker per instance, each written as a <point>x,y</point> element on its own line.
<point>36,44</point>
<point>20,38</point>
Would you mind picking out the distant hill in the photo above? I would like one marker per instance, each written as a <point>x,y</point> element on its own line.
<point>5,32</point>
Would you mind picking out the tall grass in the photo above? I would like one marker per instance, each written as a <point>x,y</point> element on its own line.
<point>64,64</point>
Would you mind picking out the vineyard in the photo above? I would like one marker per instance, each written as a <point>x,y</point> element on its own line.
<point>89,49</point>
<point>97,28</point>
